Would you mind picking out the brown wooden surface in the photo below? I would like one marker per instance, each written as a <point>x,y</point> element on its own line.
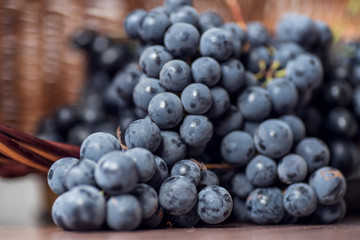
<point>346,230</point>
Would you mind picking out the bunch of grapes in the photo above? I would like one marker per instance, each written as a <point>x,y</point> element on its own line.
<point>226,125</point>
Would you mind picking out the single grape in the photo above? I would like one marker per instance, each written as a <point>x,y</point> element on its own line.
<point>132,23</point>
<point>185,14</point>
<point>232,120</point>
<point>188,169</point>
<point>257,33</point>
<point>57,174</point>
<point>166,110</point>
<point>261,171</point>
<point>161,173</point>
<point>172,5</point>
<point>283,95</point>
<point>123,212</point>
<point>196,130</point>
<point>209,19</point>
<point>265,205</point>
<point>286,51</point>
<point>152,27</point>
<point>341,122</point>
<point>329,185</point>
<point>196,98</point>
<point>153,221</point>
<point>145,162</point>
<point>257,57</point>
<point>125,82</point>
<point>153,59</point>
<point>206,70</point>
<point>216,43</point>
<point>98,144</point>
<point>177,195</point>
<point>182,40</point>
<point>175,75</point>
<point>300,200</point>
<point>208,178</point>
<point>334,213</point>
<point>296,125</point>
<point>81,173</point>
<point>315,152</point>
<point>116,173</point>
<point>220,102</point>
<point>240,185</point>
<point>239,210</point>
<point>292,168</point>
<point>233,75</point>
<point>143,133</point>
<point>148,199</point>
<point>172,148</point>
<point>237,147</point>
<point>145,90</point>
<point>214,204</point>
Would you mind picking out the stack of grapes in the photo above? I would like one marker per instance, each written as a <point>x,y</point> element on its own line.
<point>231,98</point>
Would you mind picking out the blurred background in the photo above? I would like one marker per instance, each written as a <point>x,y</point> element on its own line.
<point>40,70</point>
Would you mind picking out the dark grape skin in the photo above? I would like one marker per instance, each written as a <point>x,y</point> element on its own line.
<point>338,93</point>
<point>152,27</point>
<point>208,178</point>
<point>175,75</point>
<point>286,51</point>
<point>273,138</point>
<point>145,90</point>
<point>172,148</point>
<point>214,204</point>
<point>220,102</point>
<point>237,147</point>
<point>344,156</point>
<point>82,172</point>
<point>125,82</point>
<point>261,171</point>
<point>116,173</point>
<point>292,168</point>
<point>57,173</point>
<point>233,75</point>
<point>123,212</point>
<point>132,23</point>
<point>172,5</point>
<point>153,221</point>
<point>148,199</point>
<point>187,220</point>
<point>257,33</point>
<point>239,210</point>
<point>188,169</point>
<point>255,104</point>
<point>182,40</point>
<point>250,127</point>
<point>216,43</point>
<point>315,152</point>
<point>196,130</point>
<point>209,19</point>
<point>206,70</point>
<point>185,14</point>
<point>300,200</point>
<point>177,195</point>
<point>329,184</point>
<point>196,98</point>
<point>265,205</point>
<point>255,56</point>
<point>80,209</point>
<point>153,59</point>
<point>145,163</point>
<point>240,185</point>
<point>143,133</point>
<point>166,110</point>
<point>296,125</point>
<point>283,95</point>
<point>230,121</point>
<point>341,123</point>
<point>334,213</point>
<point>160,175</point>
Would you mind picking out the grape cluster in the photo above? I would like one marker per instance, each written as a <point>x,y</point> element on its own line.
<point>241,102</point>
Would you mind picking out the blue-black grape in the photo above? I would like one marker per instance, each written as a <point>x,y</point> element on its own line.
<point>232,120</point>
<point>196,130</point>
<point>172,5</point>
<point>237,147</point>
<point>123,212</point>
<point>233,75</point>
<point>315,152</point>
<point>286,51</point>
<point>239,210</point>
<point>334,213</point>
<point>329,185</point>
<point>344,156</point>
<point>208,178</point>
<point>153,221</point>
<point>255,56</point>
<point>161,173</point>
<point>185,14</point>
<point>153,26</point>
<point>216,43</point>
<point>273,138</point>
<point>177,195</point>
<point>220,102</point>
<point>125,82</point>
<point>116,173</point>
<point>341,122</point>
<point>250,127</point>
<point>300,200</point>
<point>153,59</point>
<point>196,98</point>
<point>240,185</point>
<point>182,40</point>
<point>80,209</point>
<point>145,90</point>
<point>187,220</point>
<point>265,205</point>
<point>188,169</point>
<point>145,162</point>
<point>148,199</point>
<point>166,110</point>
<point>98,144</point>
<point>57,174</point>
<point>206,70</point>
<point>257,33</point>
<point>209,19</point>
<point>255,103</point>
<point>292,168</point>
<point>261,171</point>
<point>296,125</point>
<point>132,23</point>
<point>283,95</point>
<point>82,172</point>
<point>175,75</point>
<point>214,204</point>
<point>143,133</point>
<point>172,148</point>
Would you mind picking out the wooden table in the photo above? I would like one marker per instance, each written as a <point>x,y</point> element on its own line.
<point>346,230</point>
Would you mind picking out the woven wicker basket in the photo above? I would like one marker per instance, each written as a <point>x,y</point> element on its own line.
<point>39,71</point>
